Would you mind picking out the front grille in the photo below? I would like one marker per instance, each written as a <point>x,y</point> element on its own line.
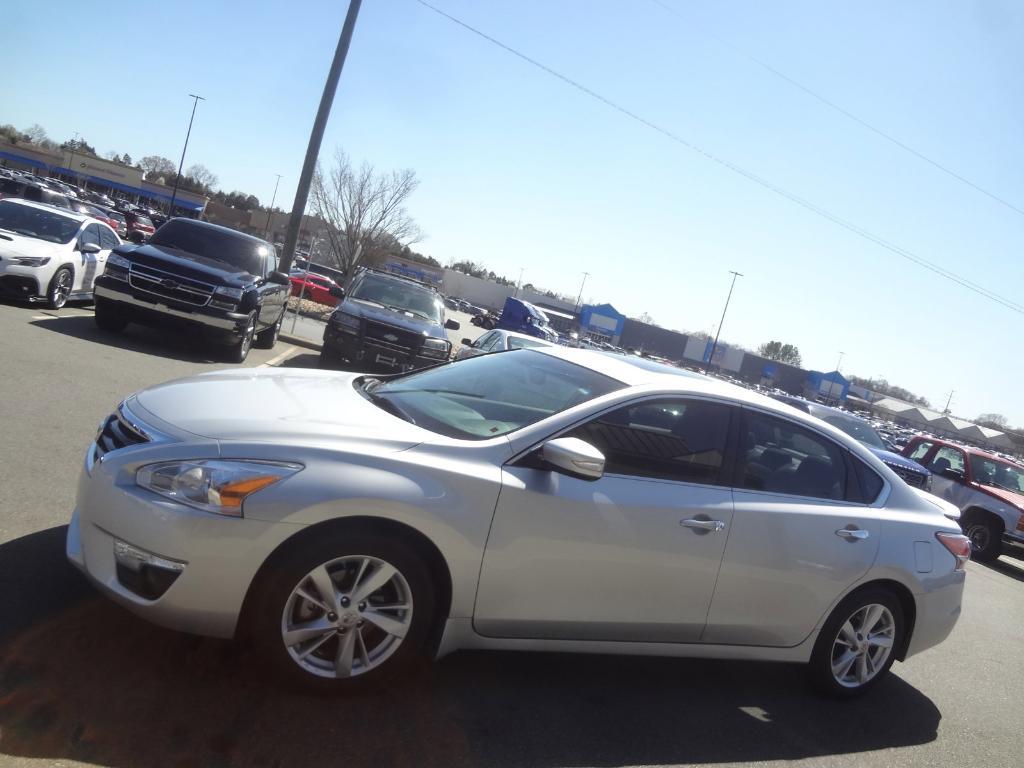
<point>116,433</point>
<point>170,286</point>
<point>390,337</point>
<point>916,479</point>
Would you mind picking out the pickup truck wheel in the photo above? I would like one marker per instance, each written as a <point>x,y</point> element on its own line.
<point>986,539</point>
<point>108,318</point>
<point>240,349</point>
<point>268,338</point>
<point>330,360</point>
<point>59,289</point>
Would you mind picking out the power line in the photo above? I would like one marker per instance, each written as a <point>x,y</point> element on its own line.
<point>845,112</point>
<point>835,219</point>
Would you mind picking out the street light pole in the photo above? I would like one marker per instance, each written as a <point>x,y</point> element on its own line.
<point>580,297</point>
<point>270,210</point>
<point>520,282</point>
<point>832,383</point>
<point>316,136</point>
<point>71,162</point>
<point>718,331</point>
<point>174,192</point>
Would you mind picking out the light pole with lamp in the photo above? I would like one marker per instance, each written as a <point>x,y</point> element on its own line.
<point>270,210</point>
<point>174,192</point>
<point>714,345</point>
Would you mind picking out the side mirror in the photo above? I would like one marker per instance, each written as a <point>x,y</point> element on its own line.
<point>89,248</point>
<point>451,325</point>
<point>337,292</point>
<point>956,475</point>
<point>467,342</point>
<point>574,457</point>
<point>280,278</point>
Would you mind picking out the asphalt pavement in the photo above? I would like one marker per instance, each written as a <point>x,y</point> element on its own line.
<point>83,682</point>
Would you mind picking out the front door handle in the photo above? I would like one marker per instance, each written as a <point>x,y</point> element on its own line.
<point>853,534</point>
<point>703,525</point>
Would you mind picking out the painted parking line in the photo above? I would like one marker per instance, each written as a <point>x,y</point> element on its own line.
<point>280,358</point>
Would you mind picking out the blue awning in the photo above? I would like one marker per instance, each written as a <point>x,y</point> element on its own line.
<point>23,159</point>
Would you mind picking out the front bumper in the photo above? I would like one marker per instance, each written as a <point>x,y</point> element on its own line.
<point>20,282</point>
<point>219,556</point>
<point>374,356</point>
<point>150,309</point>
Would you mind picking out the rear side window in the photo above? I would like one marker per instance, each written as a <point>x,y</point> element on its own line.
<point>779,456</point>
<point>35,194</point>
<point>10,187</point>
<point>867,483</point>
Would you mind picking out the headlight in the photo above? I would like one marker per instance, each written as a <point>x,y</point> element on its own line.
<point>118,261</point>
<point>235,294</point>
<point>438,348</point>
<point>31,261</point>
<point>346,322</point>
<point>212,486</point>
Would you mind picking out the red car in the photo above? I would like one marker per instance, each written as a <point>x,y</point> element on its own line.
<point>321,289</point>
<point>139,226</point>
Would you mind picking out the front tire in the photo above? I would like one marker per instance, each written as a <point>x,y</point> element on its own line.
<point>858,643</point>
<point>59,289</point>
<point>240,349</point>
<point>344,612</point>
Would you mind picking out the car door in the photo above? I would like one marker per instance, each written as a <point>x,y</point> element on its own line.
<point>801,533</point>
<point>271,297</point>
<point>108,241</point>
<point>947,486</point>
<point>89,263</point>
<point>632,556</point>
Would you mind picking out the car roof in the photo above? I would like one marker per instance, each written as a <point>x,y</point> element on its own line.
<point>216,227</point>
<point>968,449</point>
<point>518,335</point>
<point>80,217</point>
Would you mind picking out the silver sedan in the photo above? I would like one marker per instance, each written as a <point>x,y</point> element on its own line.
<point>553,499</point>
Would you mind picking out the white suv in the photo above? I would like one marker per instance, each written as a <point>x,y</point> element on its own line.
<point>50,254</point>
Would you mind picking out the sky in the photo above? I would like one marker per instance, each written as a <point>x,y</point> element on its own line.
<point>519,170</point>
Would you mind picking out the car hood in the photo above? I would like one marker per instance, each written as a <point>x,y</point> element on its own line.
<point>277,405</point>
<point>19,245</point>
<point>398,319</point>
<point>188,264</point>
<point>896,460</point>
<point>1015,500</point>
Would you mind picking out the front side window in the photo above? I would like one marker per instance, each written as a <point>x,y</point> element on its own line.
<point>948,458</point>
<point>671,439</point>
<point>490,395</point>
<point>90,235</point>
<point>519,342</point>
<point>108,239</point>
<point>781,457</point>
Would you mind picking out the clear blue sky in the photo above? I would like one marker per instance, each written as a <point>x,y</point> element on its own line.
<point>519,170</point>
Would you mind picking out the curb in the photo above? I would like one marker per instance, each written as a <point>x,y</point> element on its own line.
<point>300,341</point>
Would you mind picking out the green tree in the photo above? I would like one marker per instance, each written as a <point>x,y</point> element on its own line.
<point>784,353</point>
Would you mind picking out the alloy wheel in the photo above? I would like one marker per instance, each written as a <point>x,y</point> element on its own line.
<point>863,645</point>
<point>979,535</point>
<point>347,617</point>
<point>61,289</point>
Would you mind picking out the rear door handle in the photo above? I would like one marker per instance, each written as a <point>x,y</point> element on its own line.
<point>853,534</point>
<point>703,525</point>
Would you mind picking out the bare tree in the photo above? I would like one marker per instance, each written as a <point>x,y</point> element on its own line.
<point>363,207</point>
<point>155,166</point>
<point>202,176</point>
<point>36,134</point>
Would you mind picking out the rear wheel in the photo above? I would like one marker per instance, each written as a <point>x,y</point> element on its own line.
<point>344,612</point>
<point>268,338</point>
<point>108,318</point>
<point>985,535</point>
<point>60,288</point>
<point>329,358</point>
<point>858,643</point>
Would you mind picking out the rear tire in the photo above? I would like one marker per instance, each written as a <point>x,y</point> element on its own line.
<point>858,643</point>
<point>345,641</point>
<point>986,538</point>
<point>108,318</point>
<point>266,339</point>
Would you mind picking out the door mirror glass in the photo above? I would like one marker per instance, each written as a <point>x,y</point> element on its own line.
<point>278,277</point>
<point>90,248</point>
<point>573,457</point>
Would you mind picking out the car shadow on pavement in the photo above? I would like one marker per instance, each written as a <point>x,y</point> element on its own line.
<point>82,679</point>
<point>174,345</point>
<point>302,360</point>
<point>1008,566</point>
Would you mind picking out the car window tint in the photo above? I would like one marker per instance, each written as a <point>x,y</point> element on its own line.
<point>671,439</point>
<point>518,342</point>
<point>482,342</point>
<point>90,235</point>
<point>868,484</point>
<point>108,239</point>
<point>781,457</point>
<point>948,458</point>
<point>921,450</point>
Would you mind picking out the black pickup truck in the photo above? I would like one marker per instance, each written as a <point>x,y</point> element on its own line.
<point>197,276</point>
<point>387,323</point>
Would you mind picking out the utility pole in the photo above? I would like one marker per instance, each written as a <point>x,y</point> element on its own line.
<point>518,284</point>
<point>714,345</point>
<point>71,162</point>
<point>270,210</point>
<point>316,136</point>
<point>949,400</point>
<point>174,192</point>
<point>580,297</point>
<point>832,383</point>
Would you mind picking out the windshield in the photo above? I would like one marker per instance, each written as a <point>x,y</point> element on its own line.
<point>37,223</point>
<point>859,430</point>
<point>244,253</point>
<point>997,474</point>
<point>399,295</point>
<point>491,395</point>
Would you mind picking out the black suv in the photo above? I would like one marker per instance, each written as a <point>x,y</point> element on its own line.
<point>387,323</point>
<point>199,276</point>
